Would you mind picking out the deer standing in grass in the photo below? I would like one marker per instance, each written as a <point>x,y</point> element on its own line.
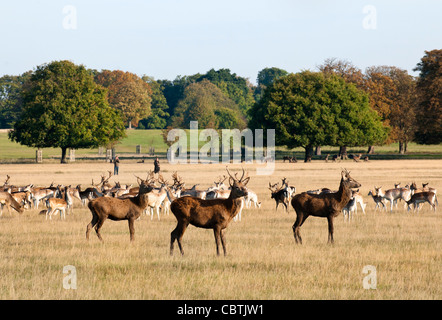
<point>327,205</point>
<point>208,214</point>
<point>117,209</point>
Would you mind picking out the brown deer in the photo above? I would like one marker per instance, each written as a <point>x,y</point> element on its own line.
<point>117,209</point>
<point>422,197</point>
<point>208,214</point>
<point>327,205</point>
<point>7,199</point>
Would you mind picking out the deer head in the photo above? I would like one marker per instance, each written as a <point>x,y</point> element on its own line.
<point>238,186</point>
<point>349,181</point>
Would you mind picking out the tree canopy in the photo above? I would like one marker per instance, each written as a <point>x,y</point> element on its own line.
<point>429,86</point>
<point>310,109</point>
<point>127,93</point>
<point>63,107</point>
<point>206,103</point>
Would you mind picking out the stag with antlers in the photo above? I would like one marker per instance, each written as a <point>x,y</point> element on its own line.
<point>208,214</point>
<point>327,205</point>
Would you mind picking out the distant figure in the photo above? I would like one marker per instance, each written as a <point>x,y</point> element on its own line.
<point>157,166</point>
<point>116,165</point>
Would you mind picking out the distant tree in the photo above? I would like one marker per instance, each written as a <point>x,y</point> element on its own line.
<point>429,87</point>
<point>310,109</point>
<point>64,108</point>
<point>159,116</point>
<point>128,94</point>
<point>206,103</point>
<point>266,77</point>
<point>10,99</point>
<point>237,88</point>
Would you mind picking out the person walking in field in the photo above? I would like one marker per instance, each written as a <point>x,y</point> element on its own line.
<point>156,166</point>
<point>116,165</point>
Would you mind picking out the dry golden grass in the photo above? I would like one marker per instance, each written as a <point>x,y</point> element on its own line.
<point>263,261</point>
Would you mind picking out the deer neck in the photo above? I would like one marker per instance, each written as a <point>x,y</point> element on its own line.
<point>344,193</point>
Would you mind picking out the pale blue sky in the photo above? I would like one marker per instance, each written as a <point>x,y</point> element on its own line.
<point>167,38</point>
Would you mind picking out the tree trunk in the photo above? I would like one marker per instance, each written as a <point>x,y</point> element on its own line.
<point>370,150</point>
<point>130,124</point>
<point>318,151</point>
<point>308,153</point>
<point>63,155</point>
<point>401,148</point>
<point>343,152</point>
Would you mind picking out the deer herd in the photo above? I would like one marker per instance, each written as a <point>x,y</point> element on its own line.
<point>211,208</point>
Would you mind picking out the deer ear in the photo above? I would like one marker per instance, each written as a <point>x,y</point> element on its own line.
<point>246,181</point>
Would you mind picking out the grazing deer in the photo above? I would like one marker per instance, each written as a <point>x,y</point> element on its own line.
<point>422,197</point>
<point>117,209</point>
<point>208,214</point>
<point>327,205</point>
<point>6,199</point>
<point>279,195</point>
<point>378,200</point>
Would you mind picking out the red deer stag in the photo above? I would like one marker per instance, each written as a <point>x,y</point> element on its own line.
<point>117,209</point>
<point>208,214</point>
<point>327,205</point>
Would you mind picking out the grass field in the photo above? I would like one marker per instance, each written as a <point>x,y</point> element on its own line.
<point>263,261</point>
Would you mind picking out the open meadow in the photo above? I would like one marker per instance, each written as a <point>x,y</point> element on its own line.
<point>262,262</point>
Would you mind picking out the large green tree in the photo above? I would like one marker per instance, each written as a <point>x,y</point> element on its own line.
<point>429,86</point>
<point>310,109</point>
<point>63,107</point>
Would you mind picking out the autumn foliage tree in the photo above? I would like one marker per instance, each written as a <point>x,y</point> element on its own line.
<point>127,93</point>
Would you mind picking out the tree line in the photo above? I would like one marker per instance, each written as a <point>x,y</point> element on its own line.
<point>60,104</point>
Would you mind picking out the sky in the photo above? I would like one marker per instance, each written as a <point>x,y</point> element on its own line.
<point>167,38</point>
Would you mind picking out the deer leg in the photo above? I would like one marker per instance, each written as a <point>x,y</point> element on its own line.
<point>98,227</point>
<point>131,229</point>
<point>330,229</point>
<point>297,225</point>
<point>91,225</point>
<point>216,232</point>
<point>177,234</point>
<point>223,241</point>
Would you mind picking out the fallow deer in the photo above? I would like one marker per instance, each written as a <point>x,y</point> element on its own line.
<point>327,205</point>
<point>208,214</point>
<point>378,200</point>
<point>279,195</point>
<point>422,197</point>
<point>6,199</point>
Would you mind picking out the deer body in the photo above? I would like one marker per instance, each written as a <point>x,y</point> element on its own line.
<point>7,199</point>
<point>422,197</point>
<point>327,205</point>
<point>117,209</point>
<point>208,214</point>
